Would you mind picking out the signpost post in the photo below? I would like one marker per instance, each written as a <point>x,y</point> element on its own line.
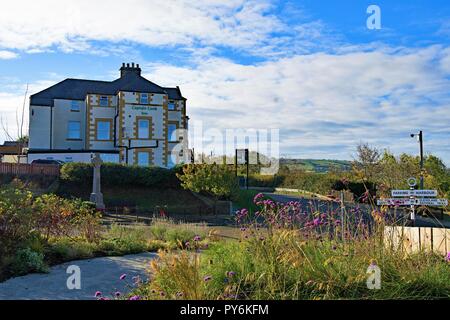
<point>413,198</point>
<point>242,157</point>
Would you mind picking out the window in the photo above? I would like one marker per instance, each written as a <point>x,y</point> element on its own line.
<point>144,98</point>
<point>172,106</point>
<point>171,128</point>
<point>103,130</point>
<point>143,129</point>
<point>75,106</point>
<point>74,130</point>
<point>104,102</point>
<point>143,158</point>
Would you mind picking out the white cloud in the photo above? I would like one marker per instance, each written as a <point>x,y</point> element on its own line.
<point>12,96</point>
<point>71,25</point>
<point>324,101</point>
<point>4,54</point>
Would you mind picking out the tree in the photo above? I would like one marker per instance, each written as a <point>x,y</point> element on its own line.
<point>215,180</point>
<point>366,162</point>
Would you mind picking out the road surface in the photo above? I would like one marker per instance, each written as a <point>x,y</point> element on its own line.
<point>99,274</point>
<point>326,206</point>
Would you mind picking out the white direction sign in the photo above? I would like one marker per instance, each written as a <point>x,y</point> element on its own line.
<point>409,202</point>
<point>416,193</point>
<point>395,202</point>
<point>432,202</point>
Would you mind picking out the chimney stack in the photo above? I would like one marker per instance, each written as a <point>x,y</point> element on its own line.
<point>126,69</point>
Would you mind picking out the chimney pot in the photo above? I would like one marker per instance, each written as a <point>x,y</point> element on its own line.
<point>127,69</point>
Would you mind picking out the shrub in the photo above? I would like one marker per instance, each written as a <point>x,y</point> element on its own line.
<point>215,180</point>
<point>118,174</point>
<point>87,220</point>
<point>54,215</point>
<point>26,260</point>
<point>65,249</point>
<point>16,218</point>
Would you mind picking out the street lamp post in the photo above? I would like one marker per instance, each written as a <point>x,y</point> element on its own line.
<point>420,140</point>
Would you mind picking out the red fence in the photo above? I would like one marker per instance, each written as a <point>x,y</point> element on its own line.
<point>22,169</point>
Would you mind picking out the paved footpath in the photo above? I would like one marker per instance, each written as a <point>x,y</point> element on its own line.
<point>98,274</point>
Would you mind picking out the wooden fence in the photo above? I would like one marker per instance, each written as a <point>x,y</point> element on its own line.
<point>415,239</point>
<point>23,169</point>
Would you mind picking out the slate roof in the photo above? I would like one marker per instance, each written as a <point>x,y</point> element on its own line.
<point>77,89</point>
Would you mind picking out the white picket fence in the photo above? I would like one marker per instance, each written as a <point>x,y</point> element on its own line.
<point>415,239</point>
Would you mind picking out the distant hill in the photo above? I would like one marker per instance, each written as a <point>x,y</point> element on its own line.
<point>316,165</point>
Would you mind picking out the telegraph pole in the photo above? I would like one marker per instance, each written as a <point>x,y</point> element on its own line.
<point>421,158</point>
<point>420,140</point>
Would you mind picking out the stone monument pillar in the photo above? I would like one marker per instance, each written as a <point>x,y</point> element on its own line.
<point>96,195</point>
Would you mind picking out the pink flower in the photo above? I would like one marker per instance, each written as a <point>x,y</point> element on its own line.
<point>448,257</point>
<point>123,276</point>
<point>230,274</point>
<point>134,298</point>
<point>207,278</point>
<point>257,198</point>
<point>197,238</point>
<point>98,294</point>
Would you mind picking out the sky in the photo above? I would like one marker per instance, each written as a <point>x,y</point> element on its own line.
<point>312,69</point>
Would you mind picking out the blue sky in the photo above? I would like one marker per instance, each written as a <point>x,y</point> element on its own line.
<point>310,68</point>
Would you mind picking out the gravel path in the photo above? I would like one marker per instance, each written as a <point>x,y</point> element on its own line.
<point>99,274</point>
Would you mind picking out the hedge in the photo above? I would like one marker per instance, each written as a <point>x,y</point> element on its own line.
<point>113,175</point>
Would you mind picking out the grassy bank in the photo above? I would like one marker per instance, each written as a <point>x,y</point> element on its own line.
<point>293,255</point>
<point>143,199</point>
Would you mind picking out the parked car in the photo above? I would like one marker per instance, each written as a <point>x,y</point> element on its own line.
<point>47,161</point>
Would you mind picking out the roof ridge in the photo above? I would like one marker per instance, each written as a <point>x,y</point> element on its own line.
<point>104,81</point>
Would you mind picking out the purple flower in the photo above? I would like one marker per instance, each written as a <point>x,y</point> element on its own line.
<point>123,276</point>
<point>448,257</point>
<point>316,221</point>
<point>187,244</point>
<point>257,198</point>
<point>117,294</point>
<point>207,278</point>
<point>162,294</point>
<point>197,238</point>
<point>179,294</point>
<point>134,298</point>
<point>230,274</point>
<point>98,294</point>
<point>334,247</point>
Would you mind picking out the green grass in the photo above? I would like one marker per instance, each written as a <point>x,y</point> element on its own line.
<point>285,266</point>
<point>144,199</point>
<point>244,199</point>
